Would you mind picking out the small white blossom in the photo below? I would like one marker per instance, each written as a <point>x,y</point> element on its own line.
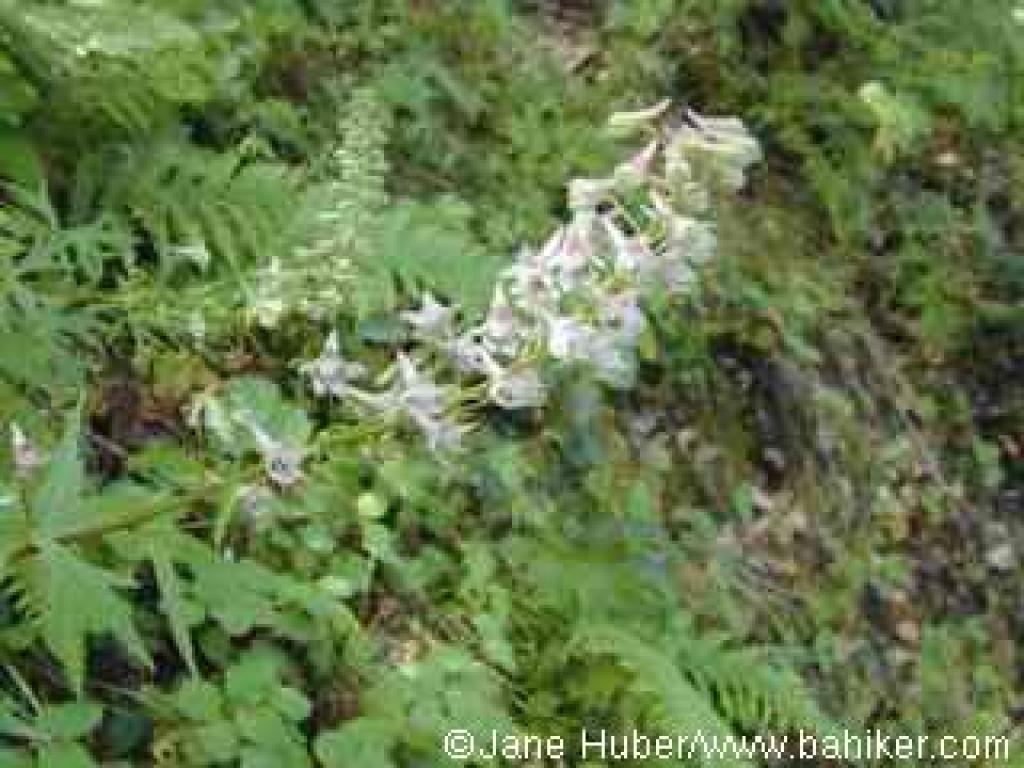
<point>502,331</point>
<point>282,462</point>
<point>623,313</point>
<point>416,392</point>
<point>256,505</point>
<point>692,238</point>
<point>442,435</point>
<point>576,248</point>
<point>568,338</point>
<point>587,194</point>
<point>676,276</point>
<point>330,374</point>
<point>630,252</point>
<point>614,362</point>
<point>514,388</point>
<point>721,145</point>
<point>635,171</point>
<point>469,354</point>
<point>624,124</point>
<point>27,456</point>
<point>432,321</point>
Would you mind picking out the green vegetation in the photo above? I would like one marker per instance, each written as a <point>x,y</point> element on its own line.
<point>320,447</point>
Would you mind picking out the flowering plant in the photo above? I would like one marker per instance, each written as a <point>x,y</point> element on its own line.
<point>579,299</point>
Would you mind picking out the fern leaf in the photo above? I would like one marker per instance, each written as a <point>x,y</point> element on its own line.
<point>186,197</point>
<point>72,600</point>
<point>172,602</point>
<point>676,705</point>
<point>113,63</point>
<point>751,691</point>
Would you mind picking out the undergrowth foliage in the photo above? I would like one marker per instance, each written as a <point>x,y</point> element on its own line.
<point>74,552</point>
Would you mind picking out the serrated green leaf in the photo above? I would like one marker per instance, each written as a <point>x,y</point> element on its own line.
<point>74,600</point>
<point>215,742</point>
<point>172,603</point>
<point>199,700</point>
<point>58,499</point>
<point>365,741</point>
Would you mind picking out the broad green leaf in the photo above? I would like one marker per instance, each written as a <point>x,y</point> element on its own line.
<point>71,721</point>
<point>65,756</point>
<point>215,742</point>
<point>365,741</point>
<point>253,680</point>
<point>199,700</point>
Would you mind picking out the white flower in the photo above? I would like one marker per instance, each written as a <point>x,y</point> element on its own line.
<point>502,330</point>
<point>693,239</point>
<point>423,402</point>
<point>630,252</point>
<point>721,145</point>
<point>442,435</point>
<point>513,388</point>
<point>525,285</point>
<point>613,361</point>
<point>576,248</point>
<point>432,321</point>
<point>625,124</point>
<point>469,354</point>
<point>568,338</point>
<point>634,172</point>
<point>622,311</point>
<point>282,462</point>
<point>330,374</point>
<point>587,194</point>
<point>676,275</point>
<point>417,393</point>
<point>256,504</point>
<point>26,456</point>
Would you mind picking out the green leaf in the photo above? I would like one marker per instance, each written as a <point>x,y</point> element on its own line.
<point>365,741</point>
<point>216,742</point>
<point>171,602</point>
<point>58,499</point>
<point>65,756</point>
<point>10,758</point>
<point>253,680</point>
<point>19,161</point>
<point>74,600</point>
<point>291,703</point>
<point>199,700</point>
<point>71,721</point>
<point>677,706</point>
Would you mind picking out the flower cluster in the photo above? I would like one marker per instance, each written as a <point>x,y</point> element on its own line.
<point>580,298</point>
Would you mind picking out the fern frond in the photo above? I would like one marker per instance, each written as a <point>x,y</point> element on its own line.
<point>200,204</point>
<point>71,600</point>
<point>45,267</point>
<point>112,64</point>
<point>750,690</point>
<point>673,703</point>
